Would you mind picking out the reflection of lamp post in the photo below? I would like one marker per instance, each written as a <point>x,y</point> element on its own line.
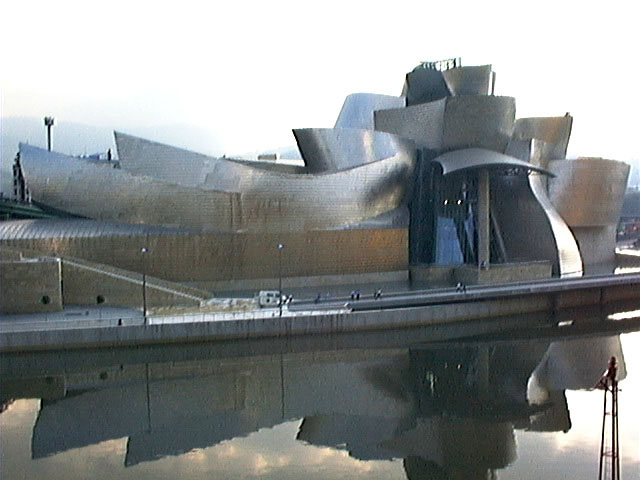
<point>148,400</point>
<point>280,247</point>
<point>48,122</point>
<point>144,250</point>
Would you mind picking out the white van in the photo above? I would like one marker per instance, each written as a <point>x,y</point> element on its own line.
<point>269,298</point>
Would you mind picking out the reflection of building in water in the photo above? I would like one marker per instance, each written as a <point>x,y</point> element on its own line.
<point>449,409</point>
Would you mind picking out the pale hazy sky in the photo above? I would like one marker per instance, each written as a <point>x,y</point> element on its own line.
<point>250,71</point>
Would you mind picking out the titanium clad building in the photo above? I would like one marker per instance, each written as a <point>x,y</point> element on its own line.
<point>441,184</point>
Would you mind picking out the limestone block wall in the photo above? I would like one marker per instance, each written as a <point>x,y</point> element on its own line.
<point>238,256</point>
<point>30,286</point>
<point>86,285</point>
<point>503,273</point>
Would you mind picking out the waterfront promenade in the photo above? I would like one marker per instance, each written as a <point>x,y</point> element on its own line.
<point>82,327</point>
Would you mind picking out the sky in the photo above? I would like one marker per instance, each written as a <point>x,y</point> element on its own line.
<point>247,72</point>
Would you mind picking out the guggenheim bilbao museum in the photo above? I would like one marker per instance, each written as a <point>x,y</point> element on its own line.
<point>440,184</point>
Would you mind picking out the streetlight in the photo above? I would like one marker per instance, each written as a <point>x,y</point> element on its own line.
<point>144,250</point>
<point>48,122</point>
<point>280,247</point>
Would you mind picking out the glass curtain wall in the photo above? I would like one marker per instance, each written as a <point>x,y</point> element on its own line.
<point>448,214</point>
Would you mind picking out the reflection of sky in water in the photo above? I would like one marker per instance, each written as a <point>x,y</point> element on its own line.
<point>275,452</point>
<point>269,453</point>
<point>632,252</point>
<point>575,454</point>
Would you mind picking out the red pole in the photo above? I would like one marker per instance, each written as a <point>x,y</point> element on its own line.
<point>604,426</point>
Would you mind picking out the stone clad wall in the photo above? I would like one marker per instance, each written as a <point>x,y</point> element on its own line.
<point>85,285</point>
<point>30,286</point>
<point>224,257</point>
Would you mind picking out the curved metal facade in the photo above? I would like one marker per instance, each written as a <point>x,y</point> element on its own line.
<point>424,85</point>
<point>568,260</point>
<point>588,192</point>
<point>335,149</point>
<point>554,131</point>
<point>190,169</point>
<point>475,80</point>
<point>267,201</point>
<point>360,177</point>
<point>183,167</point>
<point>76,228</point>
<point>357,110</point>
<point>453,122</point>
<point>171,164</point>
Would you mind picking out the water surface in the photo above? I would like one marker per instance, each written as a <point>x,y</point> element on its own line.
<point>514,405</point>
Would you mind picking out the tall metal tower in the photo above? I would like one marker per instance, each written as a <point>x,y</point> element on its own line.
<point>609,446</point>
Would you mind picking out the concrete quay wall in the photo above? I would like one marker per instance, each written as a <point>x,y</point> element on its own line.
<point>109,334</point>
<point>539,297</point>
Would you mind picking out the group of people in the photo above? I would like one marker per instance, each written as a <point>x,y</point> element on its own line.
<point>355,295</point>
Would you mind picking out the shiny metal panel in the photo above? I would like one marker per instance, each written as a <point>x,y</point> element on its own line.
<point>524,226</point>
<point>569,258</point>
<point>468,80</point>
<point>588,191</point>
<point>531,228</point>
<point>272,166</point>
<point>175,165</point>
<point>474,158</point>
<point>335,149</point>
<point>453,122</point>
<point>555,131</point>
<point>539,153</point>
<point>76,228</point>
<point>357,110</point>
<point>424,85</point>
<point>268,201</point>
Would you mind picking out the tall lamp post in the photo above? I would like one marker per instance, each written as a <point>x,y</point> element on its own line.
<point>144,250</point>
<point>48,122</point>
<point>280,247</point>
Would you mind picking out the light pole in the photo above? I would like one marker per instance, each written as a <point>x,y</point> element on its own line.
<point>144,250</point>
<point>48,122</point>
<point>280,247</point>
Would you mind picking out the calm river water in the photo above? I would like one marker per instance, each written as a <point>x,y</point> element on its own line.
<point>516,405</point>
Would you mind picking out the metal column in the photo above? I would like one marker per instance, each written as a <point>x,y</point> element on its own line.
<point>483,217</point>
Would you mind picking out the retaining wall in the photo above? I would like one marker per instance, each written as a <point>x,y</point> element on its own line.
<point>30,286</point>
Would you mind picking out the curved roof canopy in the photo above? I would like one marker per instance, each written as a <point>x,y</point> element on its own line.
<point>476,158</point>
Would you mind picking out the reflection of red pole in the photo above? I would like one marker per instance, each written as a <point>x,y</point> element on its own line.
<point>609,384</point>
